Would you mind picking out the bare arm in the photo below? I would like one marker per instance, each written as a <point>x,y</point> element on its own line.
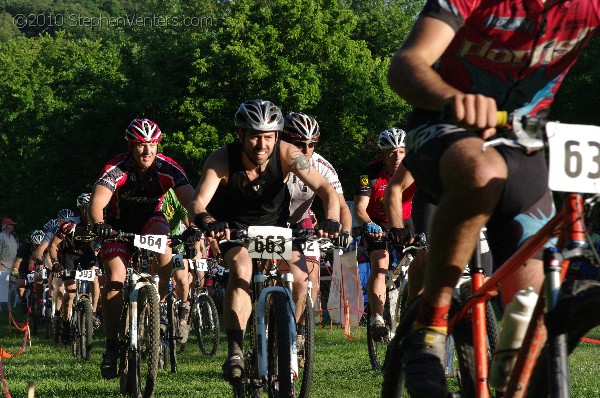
<point>53,248</point>
<point>99,200</point>
<point>360,209</point>
<point>345,214</point>
<point>215,169</point>
<point>293,161</point>
<point>411,76</point>
<point>399,182</point>
<point>184,194</point>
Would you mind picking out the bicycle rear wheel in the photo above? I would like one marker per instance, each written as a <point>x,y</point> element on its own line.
<point>279,346</point>
<point>172,330</point>
<point>206,323</point>
<point>143,362</point>
<point>575,314</point>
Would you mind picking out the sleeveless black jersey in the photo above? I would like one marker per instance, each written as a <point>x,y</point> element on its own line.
<point>265,201</point>
<point>74,238</point>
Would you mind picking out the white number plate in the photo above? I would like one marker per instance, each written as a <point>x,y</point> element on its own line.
<point>311,248</point>
<point>85,275</point>
<point>271,242</point>
<point>30,278</point>
<point>155,243</point>
<point>574,157</point>
<point>200,264</point>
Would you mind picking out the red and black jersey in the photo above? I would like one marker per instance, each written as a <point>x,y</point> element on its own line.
<point>73,238</point>
<point>135,195</point>
<point>372,183</point>
<point>517,51</point>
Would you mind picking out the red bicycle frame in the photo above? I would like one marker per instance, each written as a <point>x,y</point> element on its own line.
<point>568,225</point>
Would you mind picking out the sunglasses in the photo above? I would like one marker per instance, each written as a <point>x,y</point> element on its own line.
<point>301,144</point>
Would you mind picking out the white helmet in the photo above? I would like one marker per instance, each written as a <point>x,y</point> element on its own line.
<point>391,138</point>
<point>37,237</point>
<point>260,115</point>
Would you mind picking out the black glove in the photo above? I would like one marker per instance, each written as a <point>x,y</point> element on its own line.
<point>57,268</point>
<point>344,239</point>
<point>215,227</point>
<point>398,237</point>
<point>329,226</point>
<point>103,230</point>
<point>39,261</point>
<point>191,234</point>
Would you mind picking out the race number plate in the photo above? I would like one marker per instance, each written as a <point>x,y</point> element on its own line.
<point>178,264</point>
<point>30,278</point>
<point>199,264</point>
<point>574,157</point>
<point>270,242</point>
<point>85,275</point>
<point>311,248</point>
<point>155,243</point>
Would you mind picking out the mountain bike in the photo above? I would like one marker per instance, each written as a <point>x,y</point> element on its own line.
<point>139,323</point>
<point>564,312</point>
<point>204,317</point>
<point>169,331</point>
<point>271,357</point>
<point>81,323</point>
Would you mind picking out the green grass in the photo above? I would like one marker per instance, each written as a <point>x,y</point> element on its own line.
<point>341,369</point>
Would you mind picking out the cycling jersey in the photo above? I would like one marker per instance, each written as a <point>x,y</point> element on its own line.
<point>137,197</point>
<point>301,193</point>
<point>517,51</point>
<point>372,183</point>
<point>264,201</point>
<point>75,248</point>
<point>174,211</point>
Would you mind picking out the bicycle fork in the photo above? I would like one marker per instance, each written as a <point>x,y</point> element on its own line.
<point>260,324</point>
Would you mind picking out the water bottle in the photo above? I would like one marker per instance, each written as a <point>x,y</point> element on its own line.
<point>514,325</point>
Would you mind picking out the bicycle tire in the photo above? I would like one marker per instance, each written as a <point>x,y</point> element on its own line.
<point>75,331</point>
<point>86,328</point>
<point>206,323</point>
<point>279,346</point>
<point>575,314</point>
<point>143,362</point>
<point>172,331</point>
<point>305,374</point>
<point>378,349</point>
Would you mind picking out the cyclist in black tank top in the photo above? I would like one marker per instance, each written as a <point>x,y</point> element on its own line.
<point>243,184</point>
<point>264,201</point>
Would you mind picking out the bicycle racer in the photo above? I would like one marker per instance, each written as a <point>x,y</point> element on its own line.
<point>132,185</point>
<point>371,215</point>
<point>244,184</point>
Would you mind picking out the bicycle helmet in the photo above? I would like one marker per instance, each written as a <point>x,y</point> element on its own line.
<point>143,130</point>
<point>391,138</point>
<point>260,115</point>
<point>83,200</point>
<point>52,223</point>
<point>65,214</point>
<point>300,127</point>
<point>37,237</point>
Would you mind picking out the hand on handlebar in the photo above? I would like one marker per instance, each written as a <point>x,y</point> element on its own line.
<point>103,230</point>
<point>329,228</point>
<point>216,229</point>
<point>344,239</point>
<point>474,111</point>
<point>373,230</point>
<point>399,237</point>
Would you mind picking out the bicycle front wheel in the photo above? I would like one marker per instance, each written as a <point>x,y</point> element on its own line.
<point>575,314</point>
<point>377,348</point>
<point>86,328</point>
<point>206,323</point>
<point>143,361</point>
<point>305,373</point>
<point>279,346</point>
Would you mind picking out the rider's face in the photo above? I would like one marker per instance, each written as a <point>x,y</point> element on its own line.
<point>259,145</point>
<point>393,157</point>
<point>144,153</point>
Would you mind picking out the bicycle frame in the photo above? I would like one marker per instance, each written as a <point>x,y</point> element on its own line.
<point>568,225</point>
<point>135,283</point>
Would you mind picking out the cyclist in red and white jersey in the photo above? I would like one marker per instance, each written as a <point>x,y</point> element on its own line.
<point>475,57</point>
<point>131,188</point>
<point>303,132</point>
<point>371,215</point>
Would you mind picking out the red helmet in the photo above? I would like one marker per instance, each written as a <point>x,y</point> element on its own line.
<point>143,130</point>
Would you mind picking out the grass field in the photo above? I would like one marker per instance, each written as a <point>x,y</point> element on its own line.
<point>341,369</point>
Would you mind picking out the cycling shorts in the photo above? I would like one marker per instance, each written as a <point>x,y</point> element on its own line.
<point>526,203</point>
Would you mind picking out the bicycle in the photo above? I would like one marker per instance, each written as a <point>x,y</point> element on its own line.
<point>139,323</point>
<point>204,317</point>
<point>271,359</point>
<point>169,331</point>
<point>571,309</point>
<point>81,323</point>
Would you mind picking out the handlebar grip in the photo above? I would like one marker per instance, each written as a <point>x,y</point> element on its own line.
<point>502,117</point>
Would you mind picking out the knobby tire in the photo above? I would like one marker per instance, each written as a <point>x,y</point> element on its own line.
<point>206,323</point>
<point>279,346</point>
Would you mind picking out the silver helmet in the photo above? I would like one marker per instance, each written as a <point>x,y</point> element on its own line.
<point>260,115</point>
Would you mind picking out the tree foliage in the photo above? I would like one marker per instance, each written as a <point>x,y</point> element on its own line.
<point>67,92</point>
